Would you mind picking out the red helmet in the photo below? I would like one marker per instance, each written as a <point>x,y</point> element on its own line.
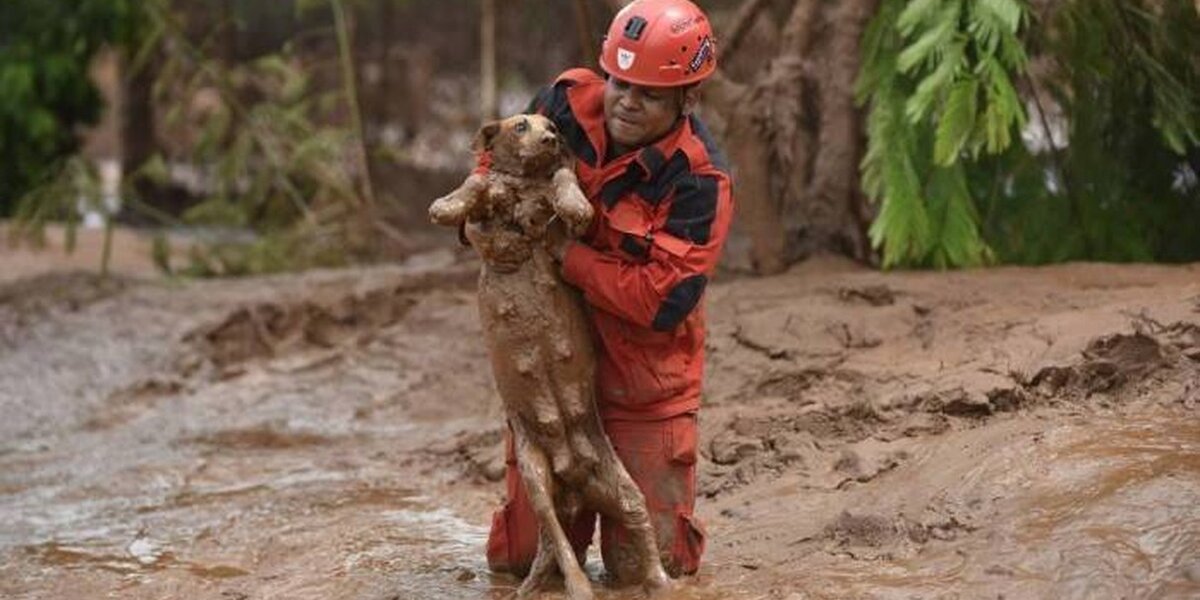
<point>659,43</point>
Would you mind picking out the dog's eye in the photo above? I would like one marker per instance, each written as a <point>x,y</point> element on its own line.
<point>522,126</point>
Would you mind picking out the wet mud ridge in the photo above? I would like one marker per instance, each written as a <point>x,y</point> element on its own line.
<point>1015,432</point>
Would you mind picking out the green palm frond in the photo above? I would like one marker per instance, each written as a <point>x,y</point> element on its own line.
<point>939,89</point>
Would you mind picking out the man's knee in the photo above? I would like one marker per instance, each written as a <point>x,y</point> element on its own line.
<point>511,547</point>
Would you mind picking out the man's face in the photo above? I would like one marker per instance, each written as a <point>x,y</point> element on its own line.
<point>636,115</point>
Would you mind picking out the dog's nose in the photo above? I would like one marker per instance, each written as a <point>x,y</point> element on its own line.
<point>549,139</point>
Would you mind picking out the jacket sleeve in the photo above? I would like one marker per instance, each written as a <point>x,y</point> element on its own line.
<point>661,292</point>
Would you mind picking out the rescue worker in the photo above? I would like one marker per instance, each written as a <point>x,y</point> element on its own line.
<point>663,200</point>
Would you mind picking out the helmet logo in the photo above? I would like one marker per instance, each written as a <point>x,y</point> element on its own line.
<point>625,58</point>
<point>703,54</point>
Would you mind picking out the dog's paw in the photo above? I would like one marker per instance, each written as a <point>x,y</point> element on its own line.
<point>449,210</point>
<point>570,204</point>
<point>453,209</point>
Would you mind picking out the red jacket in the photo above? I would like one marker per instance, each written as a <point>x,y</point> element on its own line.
<point>662,215</point>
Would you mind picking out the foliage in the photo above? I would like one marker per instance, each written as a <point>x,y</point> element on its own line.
<point>1120,79</point>
<point>937,75</point>
<point>274,179</point>
<point>1124,186</point>
<point>46,47</point>
<point>75,187</point>
<point>269,160</point>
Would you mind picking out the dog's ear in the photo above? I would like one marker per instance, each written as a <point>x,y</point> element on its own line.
<point>485,137</point>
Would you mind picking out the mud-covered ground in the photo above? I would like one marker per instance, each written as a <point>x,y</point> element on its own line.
<point>1016,433</point>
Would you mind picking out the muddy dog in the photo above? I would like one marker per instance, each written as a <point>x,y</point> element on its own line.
<point>541,350</point>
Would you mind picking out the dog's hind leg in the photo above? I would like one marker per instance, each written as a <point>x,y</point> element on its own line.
<point>621,500</point>
<point>539,485</point>
<point>542,569</point>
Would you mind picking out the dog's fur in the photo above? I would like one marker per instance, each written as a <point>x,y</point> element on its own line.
<point>541,348</point>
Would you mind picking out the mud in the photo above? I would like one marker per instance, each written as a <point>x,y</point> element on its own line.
<point>1018,432</point>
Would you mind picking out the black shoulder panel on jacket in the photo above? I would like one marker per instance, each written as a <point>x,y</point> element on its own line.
<point>552,102</point>
<point>679,303</point>
<point>715,156</point>
<point>694,208</point>
<point>652,186</point>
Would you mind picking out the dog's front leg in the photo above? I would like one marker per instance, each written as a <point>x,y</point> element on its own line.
<point>569,202</point>
<point>453,209</point>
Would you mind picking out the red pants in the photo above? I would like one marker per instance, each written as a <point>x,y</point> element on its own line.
<point>661,458</point>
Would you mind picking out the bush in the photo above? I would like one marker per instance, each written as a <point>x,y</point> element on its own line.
<point>46,47</point>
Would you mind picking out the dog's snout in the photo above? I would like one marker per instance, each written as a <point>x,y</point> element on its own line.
<point>549,138</point>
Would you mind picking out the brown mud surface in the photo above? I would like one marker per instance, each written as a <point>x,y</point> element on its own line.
<point>1016,433</point>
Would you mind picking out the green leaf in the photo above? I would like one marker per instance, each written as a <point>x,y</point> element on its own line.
<point>161,253</point>
<point>932,87</point>
<point>937,36</point>
<point>957,241</point>
<point>918,12</point>
<point>957,121</point>
<point>1008,12</point>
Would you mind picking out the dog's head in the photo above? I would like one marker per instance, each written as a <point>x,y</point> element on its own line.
<point>527,145</point>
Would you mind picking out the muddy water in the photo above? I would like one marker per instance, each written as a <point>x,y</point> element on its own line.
<point>333,467</point>
<point>1103,508</point>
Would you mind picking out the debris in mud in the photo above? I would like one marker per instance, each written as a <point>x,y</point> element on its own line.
<point>842,408</point>
<point>865,463</point>
<point>729,448</point>
<point>1123,357</point>
<point>1049,380</point>
<point>789,385</point>
<point>1184,337</point>
<point>772,353</point>
<point>923,328</point>
<point>480,456</point>
<point>864,536</point>
<point>957,402</point>
<point>262,437</point>
<point>854,337</point>
<point>124,405</point>
<point>1007,399</point>
<point>1191,396</point>
<point>875,295</point>
<point>144,549</point>
<point>1109,363</point>
<point>270,328</point>
<point>58,291</point>
<point>24,301</point>
<point>872,536</point>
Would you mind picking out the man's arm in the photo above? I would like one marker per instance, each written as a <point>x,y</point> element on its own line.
<point>664,290</point>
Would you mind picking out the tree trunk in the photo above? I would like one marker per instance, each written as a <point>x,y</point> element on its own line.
<point>487,60</point>
<point>795,136</point>
<point>344,23</point>
<point>583,25</point>
<point>831,209</point>
<point>138,141</point>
